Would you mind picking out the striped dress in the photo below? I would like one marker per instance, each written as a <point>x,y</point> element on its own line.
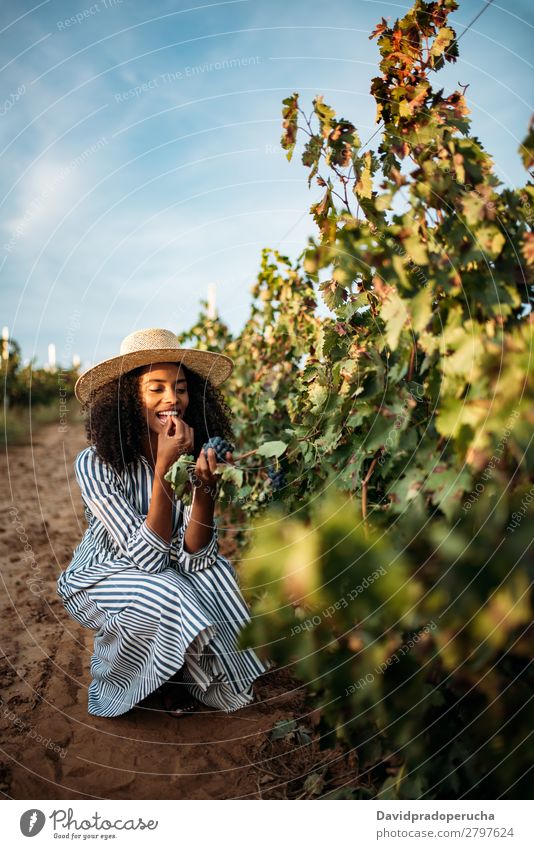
<point>154,606</point>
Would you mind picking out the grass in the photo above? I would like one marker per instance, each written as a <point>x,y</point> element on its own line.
<point>18,425</point>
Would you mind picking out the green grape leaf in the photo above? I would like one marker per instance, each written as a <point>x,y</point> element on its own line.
<point>271,449</point>
<point>178,474</point>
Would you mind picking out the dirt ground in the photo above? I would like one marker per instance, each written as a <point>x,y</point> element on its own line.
<point>51,747</point>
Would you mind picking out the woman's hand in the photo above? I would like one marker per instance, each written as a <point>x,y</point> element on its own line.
<point>175,439</point>
<point>204,477</point>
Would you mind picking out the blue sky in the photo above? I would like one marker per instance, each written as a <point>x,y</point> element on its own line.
<point>140,148</point>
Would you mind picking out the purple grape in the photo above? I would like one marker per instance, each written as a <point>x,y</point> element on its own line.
<point>277,477</point>
<point>220,445</point>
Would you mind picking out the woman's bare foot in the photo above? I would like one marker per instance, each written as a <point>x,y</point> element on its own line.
<point>177,702</point>
<point>176,698</point>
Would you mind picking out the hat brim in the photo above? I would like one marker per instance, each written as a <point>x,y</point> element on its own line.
<point>216,367</point>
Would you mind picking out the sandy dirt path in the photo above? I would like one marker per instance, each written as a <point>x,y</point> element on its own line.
<point>51,747</point>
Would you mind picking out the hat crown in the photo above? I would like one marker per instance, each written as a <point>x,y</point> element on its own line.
<point>145,340</point>
<point>144,347</point>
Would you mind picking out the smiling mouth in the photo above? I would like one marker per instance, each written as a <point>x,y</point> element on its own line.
<point>164,416</point>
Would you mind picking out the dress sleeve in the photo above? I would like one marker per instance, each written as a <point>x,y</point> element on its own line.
<point>103,492</point>
<point>186,561</point>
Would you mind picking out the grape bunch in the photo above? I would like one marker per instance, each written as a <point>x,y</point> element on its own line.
<point>277,477</point>
<point>221,447</point>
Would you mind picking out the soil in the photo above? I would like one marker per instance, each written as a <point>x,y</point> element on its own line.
<point>52,747</point>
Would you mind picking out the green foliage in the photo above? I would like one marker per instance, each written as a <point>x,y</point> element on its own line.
<point>18,425</point>
<point>392,574</point>
<point>32,396</point>
<point>28,385</point>
<point>180,475</point>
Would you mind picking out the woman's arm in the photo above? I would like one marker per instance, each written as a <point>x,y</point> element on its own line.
<point>199,530</point>
<point>200,533</point>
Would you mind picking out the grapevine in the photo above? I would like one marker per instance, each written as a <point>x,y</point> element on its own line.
<point>392,574</point>
<point>233,477</point>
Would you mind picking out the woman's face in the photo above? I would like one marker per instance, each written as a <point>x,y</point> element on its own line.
<point>163,389</point>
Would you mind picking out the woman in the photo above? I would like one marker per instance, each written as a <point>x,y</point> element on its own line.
<point>147,575</point>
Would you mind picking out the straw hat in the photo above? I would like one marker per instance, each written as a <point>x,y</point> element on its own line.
<point>153,345</point>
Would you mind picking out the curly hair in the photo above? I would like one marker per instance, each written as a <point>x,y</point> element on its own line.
<point>116,426</point>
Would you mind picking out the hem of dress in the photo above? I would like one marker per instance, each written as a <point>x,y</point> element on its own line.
<point>209,685</point>
<point>206,685</point>
<point>203,638</point>
<point>242,700</point>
